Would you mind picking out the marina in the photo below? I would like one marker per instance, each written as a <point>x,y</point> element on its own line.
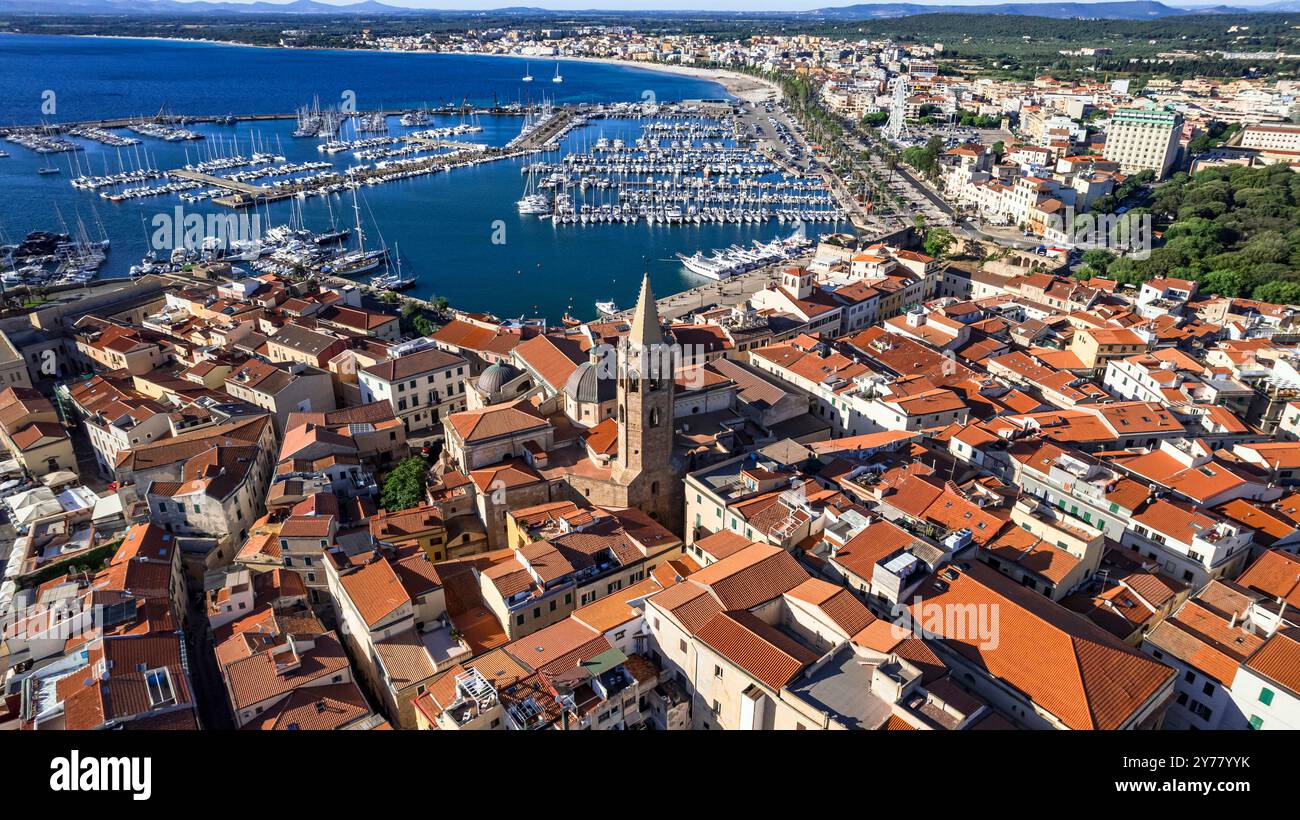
<point>442,181</point>
<point>736,260</point>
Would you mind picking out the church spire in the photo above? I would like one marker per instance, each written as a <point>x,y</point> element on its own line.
<point>645,319</point>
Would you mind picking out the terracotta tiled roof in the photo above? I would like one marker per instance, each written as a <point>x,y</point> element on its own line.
<point>722,544</point>
<point>763,651</point>
<point>469,336</point>
<point>1205,641</point>
<point>1070,667</point>
<point>550,643</point>
<point>414,364</point>
<point>1275,574</point>
<point>256,678</point>
<point>750,577</point>
<point>860,555</point>
<point>375,590</point>
<point>1279,660</point>
<point>552,358</point>
<point>314,708</point>
<point>90,699</point>
<point>836,602</point>
<point>617,609</point>
<point>691,605</point>
<point>406,524</point>
<point>187,445</point>
<point>1180,522</point>
<point>496,420</point>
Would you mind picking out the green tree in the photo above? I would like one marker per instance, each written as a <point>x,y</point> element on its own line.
<point>423,325</point>
<point>1224,283</point>
<point>1278,292</point>
<point>404,487</point>
<point>938,241</point>
<point>1097,259</point>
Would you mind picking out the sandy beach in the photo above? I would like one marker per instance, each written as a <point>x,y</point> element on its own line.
<point>741,86</point>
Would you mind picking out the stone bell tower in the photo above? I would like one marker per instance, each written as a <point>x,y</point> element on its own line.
<point>645,417</point>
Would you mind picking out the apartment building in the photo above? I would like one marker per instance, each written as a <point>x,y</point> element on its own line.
<point>1271,137</point>
<point>32,433</point>
<point>1188,544</point>
<point>423,386</point>
<point>1143,139</point>
<point>282,388</point>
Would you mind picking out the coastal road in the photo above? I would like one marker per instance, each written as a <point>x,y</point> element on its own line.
<point>926,192</point>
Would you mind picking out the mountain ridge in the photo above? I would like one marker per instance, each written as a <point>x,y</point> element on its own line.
<point>1107,9</point>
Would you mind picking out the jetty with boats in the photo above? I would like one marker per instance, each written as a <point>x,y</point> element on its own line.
<point>685,167</point>
<point>735,260</point>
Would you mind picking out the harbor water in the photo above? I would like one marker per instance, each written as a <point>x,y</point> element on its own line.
<point>459,232</point>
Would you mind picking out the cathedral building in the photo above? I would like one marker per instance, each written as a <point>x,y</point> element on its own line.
<point>611,441</point>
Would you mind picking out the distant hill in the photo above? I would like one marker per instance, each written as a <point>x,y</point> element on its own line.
<point>1122,10</point>
<point>1117,10</point>
<point>147,7</point>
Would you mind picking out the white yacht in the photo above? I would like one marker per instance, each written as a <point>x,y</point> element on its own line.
<point>534,201</point>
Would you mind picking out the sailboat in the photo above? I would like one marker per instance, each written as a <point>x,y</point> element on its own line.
<point>393,280</point>
<point>533,201</point>
<point>557,78</point>
<point>361,260</point>
<point>528,73</point>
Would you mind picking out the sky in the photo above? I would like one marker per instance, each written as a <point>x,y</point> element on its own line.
<point>715,5</point>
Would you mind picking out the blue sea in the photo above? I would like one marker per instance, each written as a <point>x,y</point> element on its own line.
<point>443,224</point>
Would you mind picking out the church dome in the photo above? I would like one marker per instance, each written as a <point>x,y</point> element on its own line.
<point>586,387</point>
<point>495,377</point>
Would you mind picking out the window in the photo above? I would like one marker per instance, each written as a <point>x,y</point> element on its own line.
<point>1256,722</point>
<point>552,606</point>
<point>159,684</point>
<point>519,620</point>
<point>681,645</point>
<point>1266,696</point>
<point>717,671</point>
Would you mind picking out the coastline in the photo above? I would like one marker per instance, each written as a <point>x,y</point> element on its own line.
<point>556,275</point>
<point>740,86</point>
